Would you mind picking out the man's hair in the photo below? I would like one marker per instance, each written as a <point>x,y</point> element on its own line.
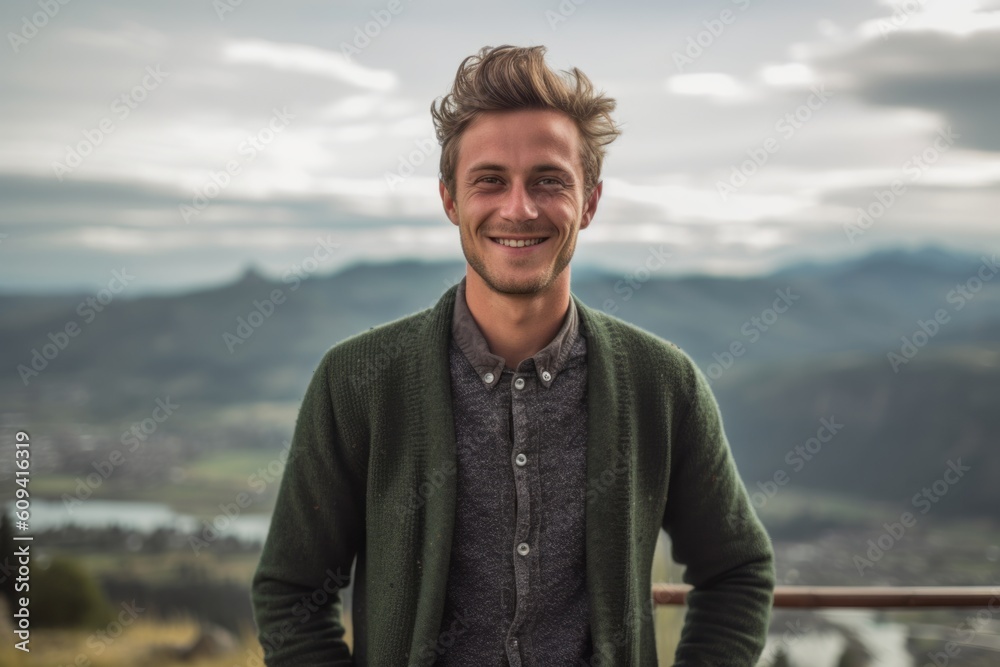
<point>507,78</point>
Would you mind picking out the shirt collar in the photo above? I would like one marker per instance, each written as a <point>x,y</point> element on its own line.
<point>549,361</point>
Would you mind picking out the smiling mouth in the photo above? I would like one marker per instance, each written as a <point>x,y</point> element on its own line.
<point>524,243</point>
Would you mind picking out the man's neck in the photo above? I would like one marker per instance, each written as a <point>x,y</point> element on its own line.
<point>517,326</point>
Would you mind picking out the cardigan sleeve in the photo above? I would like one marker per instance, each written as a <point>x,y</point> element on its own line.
<point>716,534</point>
<point>314,535</point>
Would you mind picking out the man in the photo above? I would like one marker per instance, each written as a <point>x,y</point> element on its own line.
<point>501,464</point>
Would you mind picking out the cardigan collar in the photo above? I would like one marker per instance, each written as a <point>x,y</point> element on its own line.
<point>608,525</point>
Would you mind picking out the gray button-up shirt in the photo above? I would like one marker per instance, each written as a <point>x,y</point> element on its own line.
<point>516,592</point>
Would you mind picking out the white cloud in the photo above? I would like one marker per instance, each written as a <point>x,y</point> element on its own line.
<point>954,17</point>
<point>131,38</point>
<point>366,106</point>
<point>709,84</point>
<point>792,74</point>
<point>357,133</point>
<point>751,236</point>
<point>310,60</point>
<point>701,202</point>
<point>625,232</point>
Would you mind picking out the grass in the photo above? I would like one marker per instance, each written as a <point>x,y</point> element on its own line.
<point>792,502</point>
<point>141,644</point>
<point>137,646</point>
<point>232,465</point>
<point>49,485</point>
<point>163,567</point>
<point>218,478</point>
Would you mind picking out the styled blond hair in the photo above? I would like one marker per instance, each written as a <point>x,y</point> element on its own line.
<point>505,78</point>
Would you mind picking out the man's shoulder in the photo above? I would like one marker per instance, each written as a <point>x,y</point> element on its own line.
<point>361,356</point>
<point>642,348</point>
<point>377,337</point>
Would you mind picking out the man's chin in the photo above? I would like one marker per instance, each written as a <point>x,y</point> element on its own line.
<point>513,281</point>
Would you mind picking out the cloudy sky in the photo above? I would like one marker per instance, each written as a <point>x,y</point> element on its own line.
<point>184,140</point>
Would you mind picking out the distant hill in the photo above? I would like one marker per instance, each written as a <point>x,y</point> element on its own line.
<point>775,374</point>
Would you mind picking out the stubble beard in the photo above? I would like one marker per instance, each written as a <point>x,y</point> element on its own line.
<point>532,281</point>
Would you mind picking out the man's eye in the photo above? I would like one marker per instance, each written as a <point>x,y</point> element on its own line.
<point>550,181</point>
<point>489,178</point>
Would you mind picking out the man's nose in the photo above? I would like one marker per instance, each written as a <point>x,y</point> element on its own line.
<point>518,205</point>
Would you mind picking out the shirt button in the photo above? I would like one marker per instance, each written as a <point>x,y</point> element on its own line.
<point>523,548</point>
<point>513,642</point>
<point>520,459</point>
<point>519,383</point>
<point>546,376</point>
<point>488,378</point>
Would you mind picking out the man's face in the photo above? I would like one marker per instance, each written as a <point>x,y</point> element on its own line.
<point>519,174</point>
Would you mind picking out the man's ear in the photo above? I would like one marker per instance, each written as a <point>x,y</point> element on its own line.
<point>590,206</point>
<point>450,208</point>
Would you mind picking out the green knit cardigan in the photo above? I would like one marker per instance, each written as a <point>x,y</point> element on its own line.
<point>371,473</point>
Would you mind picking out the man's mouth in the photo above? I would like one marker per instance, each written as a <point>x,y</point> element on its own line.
<point>522,243</point>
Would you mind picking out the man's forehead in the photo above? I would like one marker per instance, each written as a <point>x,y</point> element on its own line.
<point>547,138</point>
<point>538,124</point>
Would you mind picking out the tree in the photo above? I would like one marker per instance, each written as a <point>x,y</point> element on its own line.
<point>781,659</point>
<point>66,595</point>
<point>855,654</point>
<point>6,549</point>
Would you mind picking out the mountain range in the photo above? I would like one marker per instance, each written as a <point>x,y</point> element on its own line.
<point>898,350</point>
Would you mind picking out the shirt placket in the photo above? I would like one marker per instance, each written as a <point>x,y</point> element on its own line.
<point>523,549</point>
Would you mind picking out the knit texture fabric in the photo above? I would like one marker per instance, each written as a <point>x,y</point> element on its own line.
<point>371,473</point>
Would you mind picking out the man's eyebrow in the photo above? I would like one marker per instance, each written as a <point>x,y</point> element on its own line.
<point>553,167</point>
<point>487,166</point>
<point>490,166</point>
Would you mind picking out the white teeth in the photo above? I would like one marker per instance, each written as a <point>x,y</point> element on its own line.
<point>518,244</point>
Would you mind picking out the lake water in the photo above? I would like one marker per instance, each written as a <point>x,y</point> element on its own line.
<point>140,517</point>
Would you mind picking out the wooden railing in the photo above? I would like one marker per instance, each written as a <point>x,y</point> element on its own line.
<point>815,597</point>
